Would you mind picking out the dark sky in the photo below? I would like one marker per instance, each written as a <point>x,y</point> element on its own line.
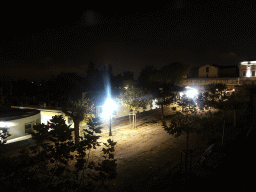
<point>41,42</point>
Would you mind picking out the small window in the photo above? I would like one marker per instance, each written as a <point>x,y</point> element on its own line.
<point>207,69</point>
<point>244,73</point>
<point>28,128</point>
<point>253,73</point>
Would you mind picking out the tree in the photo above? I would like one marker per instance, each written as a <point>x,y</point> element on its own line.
<point>80,110</point>
<point>144,78</point>
<point>183,124</point>
<point>5,92</point>
<point>94,81</point>
<point>134,97</point>
<point>171,74</point>
<point>164,98</point>
<point>47,166</point>
<point>128,75</point>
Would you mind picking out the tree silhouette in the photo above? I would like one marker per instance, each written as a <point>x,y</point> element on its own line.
<point>183,124</point>
<point>79,110</point>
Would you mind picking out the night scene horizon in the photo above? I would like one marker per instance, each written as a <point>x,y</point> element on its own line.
<point>128,96</point>
<point>37,43</point>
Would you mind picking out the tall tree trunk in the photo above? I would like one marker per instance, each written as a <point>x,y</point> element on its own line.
<point>76,129</point>
<point>186,157</point>
<point>162,110</point>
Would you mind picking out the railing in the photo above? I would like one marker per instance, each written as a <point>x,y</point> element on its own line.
<point>206,153</point>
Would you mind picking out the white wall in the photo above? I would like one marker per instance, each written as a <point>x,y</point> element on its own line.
<point>47,114</point>
<point>17,126</point>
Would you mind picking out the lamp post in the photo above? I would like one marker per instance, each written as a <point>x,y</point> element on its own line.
<point>108,109</point>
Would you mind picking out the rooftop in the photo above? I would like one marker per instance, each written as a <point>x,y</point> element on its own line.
<point>11,114</point>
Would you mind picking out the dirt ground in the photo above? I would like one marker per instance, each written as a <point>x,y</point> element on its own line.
<point>147,154</point>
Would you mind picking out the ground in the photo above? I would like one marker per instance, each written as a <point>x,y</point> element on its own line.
<point>147,156</point>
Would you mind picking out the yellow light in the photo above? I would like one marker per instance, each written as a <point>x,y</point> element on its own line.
<point>248,71</point>
<point>108,108</point>
<point>6,124</point>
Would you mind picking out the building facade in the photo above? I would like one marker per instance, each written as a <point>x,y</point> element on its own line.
<point>19,122</point>
<point>232,76</point>
<point>209,71</point>
<point>247,70</point>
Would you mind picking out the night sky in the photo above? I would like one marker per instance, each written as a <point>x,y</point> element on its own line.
<point>37,43</point>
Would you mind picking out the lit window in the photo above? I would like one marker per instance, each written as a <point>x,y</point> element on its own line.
<point>248,71</point>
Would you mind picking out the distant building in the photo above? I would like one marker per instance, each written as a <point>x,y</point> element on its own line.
<point>247,69</point>
<point>229,71</point>
<point>231,75</point>
<point>209,71</point>
<point>215,71</point>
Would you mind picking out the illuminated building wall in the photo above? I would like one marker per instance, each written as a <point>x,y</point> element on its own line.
<point>19,123</point>
<point>208,71</point>
<point>47,114</point>
<point>247,69</point>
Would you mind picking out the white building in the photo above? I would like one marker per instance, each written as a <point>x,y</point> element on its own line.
<point>247,69</point>
<point>19,122</point>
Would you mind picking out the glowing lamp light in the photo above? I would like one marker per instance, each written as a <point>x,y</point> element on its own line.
<point>108,108</point>
<point>6,124</point>
<point>191,93</point>
<point>248,71</point>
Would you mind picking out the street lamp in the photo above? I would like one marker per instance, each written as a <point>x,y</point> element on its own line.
<point>108,109</point>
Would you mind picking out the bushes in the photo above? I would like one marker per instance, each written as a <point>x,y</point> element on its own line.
<point>46,166</point>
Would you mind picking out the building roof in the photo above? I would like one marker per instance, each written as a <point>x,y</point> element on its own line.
<point>223,66</point>
<point>11,114</point>
<point>228,66</point>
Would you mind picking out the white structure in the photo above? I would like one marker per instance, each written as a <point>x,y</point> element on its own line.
<point>47,114</point>
<point>208,71</point>
<point>19,122</point>
<point>247,69</point>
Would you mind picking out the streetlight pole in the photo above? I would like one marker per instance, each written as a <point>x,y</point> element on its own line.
<point>110,133</point>
<point>108,109</point>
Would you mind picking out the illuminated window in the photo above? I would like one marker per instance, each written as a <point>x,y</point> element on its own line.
<point>248,72</point>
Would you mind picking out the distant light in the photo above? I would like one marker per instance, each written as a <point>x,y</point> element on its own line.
<point>6,124</point>
<point>108,108</point>
<point>248,71</point>
<point>247,62</point>
<point>191,93</point>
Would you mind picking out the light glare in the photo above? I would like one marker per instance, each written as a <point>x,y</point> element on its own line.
<point>6,124</point>
<point>108,108</point>
<point>191,93</point>
<point>248,72</point>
